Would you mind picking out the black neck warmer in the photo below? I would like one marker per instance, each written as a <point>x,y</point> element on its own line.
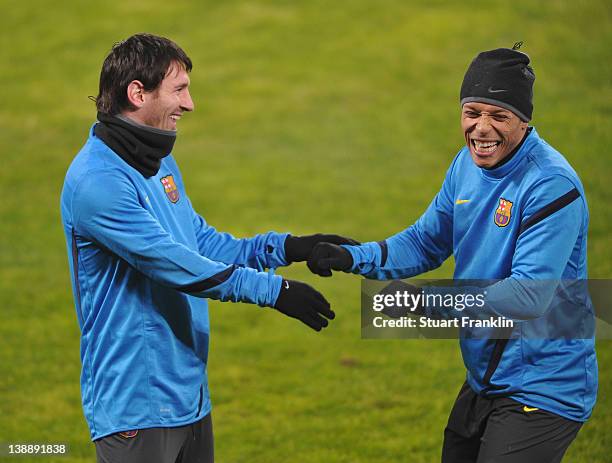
<point>142,147</point>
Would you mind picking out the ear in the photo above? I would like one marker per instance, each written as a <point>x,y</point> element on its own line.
<point>135,93</point>
<point>524,125</point>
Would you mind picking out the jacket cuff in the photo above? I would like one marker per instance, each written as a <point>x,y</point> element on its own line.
<point>261,288</point>
<point>366,257</point>
<point>275,250</point>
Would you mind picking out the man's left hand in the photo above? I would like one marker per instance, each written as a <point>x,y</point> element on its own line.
<point>298,248</point>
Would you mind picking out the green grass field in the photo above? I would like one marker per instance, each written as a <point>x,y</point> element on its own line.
<point>310,116</point>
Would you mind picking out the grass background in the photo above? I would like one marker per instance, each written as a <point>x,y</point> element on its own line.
<point>310,116</point>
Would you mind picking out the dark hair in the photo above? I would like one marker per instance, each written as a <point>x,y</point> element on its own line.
<point>143,57</point>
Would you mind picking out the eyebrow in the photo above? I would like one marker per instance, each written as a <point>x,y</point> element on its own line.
<point>495,111</point>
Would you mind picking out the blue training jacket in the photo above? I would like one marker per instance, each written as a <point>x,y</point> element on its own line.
<point>142,261</point>
<point>525,220</point>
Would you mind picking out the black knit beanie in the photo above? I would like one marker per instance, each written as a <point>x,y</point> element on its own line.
<point>500,77</point>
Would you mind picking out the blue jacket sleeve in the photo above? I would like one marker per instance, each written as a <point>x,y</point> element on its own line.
<point>421,247</point>
<point>551,224</point>
<point>107,210</point>
<point>259,252</point>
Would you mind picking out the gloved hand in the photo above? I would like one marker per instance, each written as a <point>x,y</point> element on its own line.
<point>298,248</point>
<point>398,311</point>
<point>326,257</point>
<point>301,301</point>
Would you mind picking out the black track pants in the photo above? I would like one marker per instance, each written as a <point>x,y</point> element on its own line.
<point>501,430</point>
<point>185,444</point>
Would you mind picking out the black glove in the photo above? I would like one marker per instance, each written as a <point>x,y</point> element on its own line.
<point>298,300</point>
<point>298,248</point>
<point>395,311</point>
<point>326,257</point>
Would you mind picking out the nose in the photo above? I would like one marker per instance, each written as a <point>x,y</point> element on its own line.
<point>187,102</point>
<point>483,124</point>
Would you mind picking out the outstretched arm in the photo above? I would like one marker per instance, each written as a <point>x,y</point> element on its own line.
<point>268,250</point>
<point>106,210</point>
<point>262,251</point>
<point>417,249</point>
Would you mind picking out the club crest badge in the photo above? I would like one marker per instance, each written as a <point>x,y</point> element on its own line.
<point>170,188</point>
<point>503,213</point>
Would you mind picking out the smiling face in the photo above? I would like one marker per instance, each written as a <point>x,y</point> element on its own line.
<point>491,132</point>
<point>164,106</point>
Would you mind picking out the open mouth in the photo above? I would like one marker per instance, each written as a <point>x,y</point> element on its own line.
<point>484,148</point>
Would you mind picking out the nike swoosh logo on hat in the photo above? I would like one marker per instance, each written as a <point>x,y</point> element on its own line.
<point>497,90</point>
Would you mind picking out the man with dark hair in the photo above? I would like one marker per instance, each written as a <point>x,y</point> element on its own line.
<point>143,57</point>
<point>512,209</point>
<point>143,262</point>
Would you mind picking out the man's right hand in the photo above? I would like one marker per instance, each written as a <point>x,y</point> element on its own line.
<point>326,257</point>
<point>301,301</point>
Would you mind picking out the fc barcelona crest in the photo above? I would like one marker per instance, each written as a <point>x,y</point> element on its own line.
<point>170,188</point>
<point>503,213</point>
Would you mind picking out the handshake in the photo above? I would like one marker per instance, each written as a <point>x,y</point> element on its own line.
<point>323,254</point>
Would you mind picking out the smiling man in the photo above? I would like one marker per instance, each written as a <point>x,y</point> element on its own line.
<point>143,262</point>
<point>512,209</point>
